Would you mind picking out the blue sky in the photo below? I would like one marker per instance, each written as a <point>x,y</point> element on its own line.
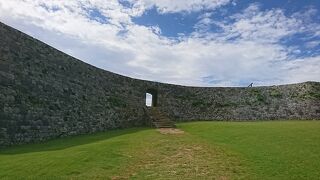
<point>187,42</point>
<point>173,24</point>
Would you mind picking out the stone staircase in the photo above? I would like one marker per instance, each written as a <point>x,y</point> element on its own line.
<point>158,119</point>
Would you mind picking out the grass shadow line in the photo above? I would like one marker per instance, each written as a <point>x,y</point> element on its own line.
<point>67,142</point>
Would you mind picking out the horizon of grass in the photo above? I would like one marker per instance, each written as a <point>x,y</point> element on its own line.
<point>138,153</point>
<point>207,150</point>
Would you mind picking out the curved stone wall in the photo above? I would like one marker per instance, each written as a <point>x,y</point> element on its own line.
<point>45,93</point>
<point>295,101</point>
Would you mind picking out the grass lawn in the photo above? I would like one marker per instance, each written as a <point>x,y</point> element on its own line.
<point>207,150</point>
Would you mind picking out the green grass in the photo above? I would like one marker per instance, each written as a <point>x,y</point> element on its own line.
<point>273,150</point>
<point>207,150</point>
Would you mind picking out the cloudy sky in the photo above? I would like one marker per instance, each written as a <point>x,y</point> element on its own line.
<point>187,42</point>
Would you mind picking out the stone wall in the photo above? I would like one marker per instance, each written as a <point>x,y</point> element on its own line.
<point>44,94</point>
<point>296,101</point>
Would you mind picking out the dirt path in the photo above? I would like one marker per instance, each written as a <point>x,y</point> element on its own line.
<point>174,154</point>
<point>170,131</point>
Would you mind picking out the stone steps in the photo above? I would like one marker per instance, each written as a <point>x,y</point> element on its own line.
<point>158,119</point>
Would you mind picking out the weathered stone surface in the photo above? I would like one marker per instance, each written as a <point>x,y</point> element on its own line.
<point>295,101</point>
<point>45,94</point>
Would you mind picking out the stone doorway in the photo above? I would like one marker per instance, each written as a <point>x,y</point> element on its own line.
<point>151,98</point>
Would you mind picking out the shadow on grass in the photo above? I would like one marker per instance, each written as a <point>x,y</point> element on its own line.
<point>67,142</point>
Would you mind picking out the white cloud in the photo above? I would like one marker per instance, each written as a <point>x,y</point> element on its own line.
<point>301,70</point>
<point>263,26</point>
<point>170,6</point>
<point>312,44</point>
<point>202,58</point>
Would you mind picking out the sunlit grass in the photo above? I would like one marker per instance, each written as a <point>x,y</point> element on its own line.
<point>207,150</point>
<point>275,150</point>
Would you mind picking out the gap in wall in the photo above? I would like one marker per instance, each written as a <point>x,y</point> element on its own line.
<point>148,99</point>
